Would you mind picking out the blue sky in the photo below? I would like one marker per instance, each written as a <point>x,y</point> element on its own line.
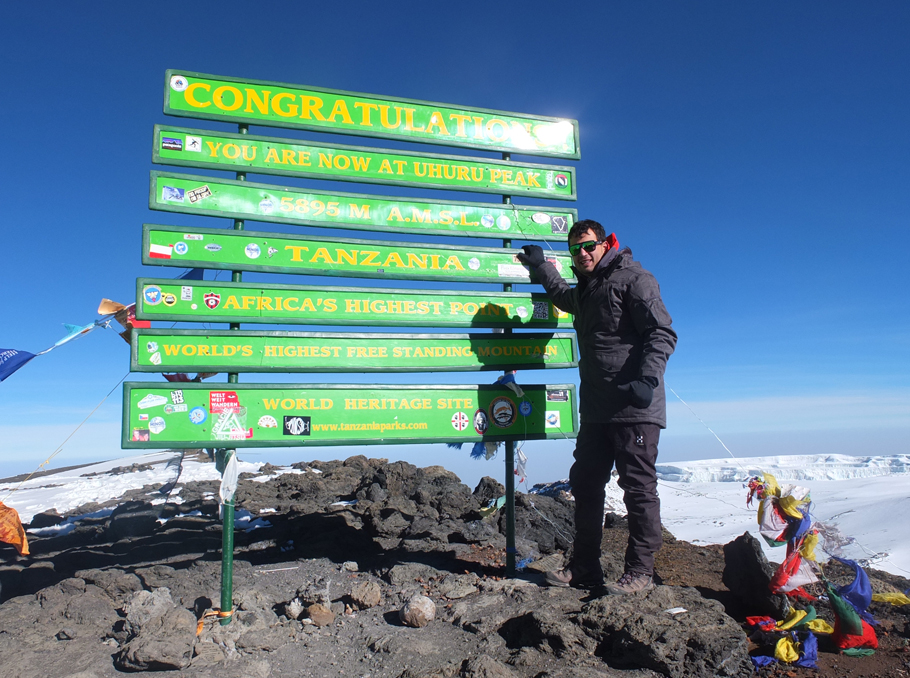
<point>755,157</point>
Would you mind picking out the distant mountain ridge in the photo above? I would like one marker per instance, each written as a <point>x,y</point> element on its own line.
<point>785,468</point>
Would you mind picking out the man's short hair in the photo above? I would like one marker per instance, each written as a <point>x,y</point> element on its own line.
<point>579,227</point>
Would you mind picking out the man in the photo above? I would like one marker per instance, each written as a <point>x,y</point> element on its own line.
<point>625,339</point>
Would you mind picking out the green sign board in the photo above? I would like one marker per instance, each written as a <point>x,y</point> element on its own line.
<point>280,253</point>
<point>214,97</point>
<point>213,302</point>
<point>188,194</point>
<point>289,157</point>
<point>291,415</point>
<point>242,351</point>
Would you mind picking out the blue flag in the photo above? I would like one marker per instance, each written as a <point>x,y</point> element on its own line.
<point>12,359</point>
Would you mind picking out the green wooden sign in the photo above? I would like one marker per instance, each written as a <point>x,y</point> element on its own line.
<point>215,97</point>
<point>279,253</point>
<point>188,194</point>
<point>214,302</point>
<point>242,351</point>
<point>289,157</point>
<point>291,415</point>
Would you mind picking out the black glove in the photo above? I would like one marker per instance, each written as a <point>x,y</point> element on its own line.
<point>532,256</point>
<point>640,392</point>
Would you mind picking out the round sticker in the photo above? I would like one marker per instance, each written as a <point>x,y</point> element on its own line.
<point>486,220</point>
<point>561,180</point>
<point>474,263</point>
<point>266,206</point>
<point>540,218</point>
<point>504,223</point>
<point>157,425</point>
<point>178,83</point>
<point>525,408</point>
<point>252,251</point>
<point>194,307</point>
<point>152,295</point>
<point>522,312</point>
<point>169,299</point>
<point>502,411</point>
<point>481,422</point>
<point>268,421</point>
<point>198,415</point>
<point>180,248</point>
<point>459,421</point>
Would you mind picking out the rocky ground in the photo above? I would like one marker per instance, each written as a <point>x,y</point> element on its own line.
<point>375,569</point>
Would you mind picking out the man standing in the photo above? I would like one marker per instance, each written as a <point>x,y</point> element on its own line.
<point>625,339</point>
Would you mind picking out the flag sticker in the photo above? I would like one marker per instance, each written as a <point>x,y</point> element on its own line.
<point>160,251</point>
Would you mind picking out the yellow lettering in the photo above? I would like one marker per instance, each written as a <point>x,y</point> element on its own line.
<point>253,98</point>
<point>311,105</point>
<point>296,250</point>
<point>218,98</point>
<point>322,254</point>
<point>190,95</point>
<point>288,112</point>
<point>341,108</point>
<point>437,121</point>
<point>460,121</point>
<point>365,112</point>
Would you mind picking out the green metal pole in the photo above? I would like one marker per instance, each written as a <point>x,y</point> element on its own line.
<point>227,521</point>
<point>510,448</point>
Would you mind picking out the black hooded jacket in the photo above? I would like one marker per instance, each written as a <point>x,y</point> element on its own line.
<point>624,333</point>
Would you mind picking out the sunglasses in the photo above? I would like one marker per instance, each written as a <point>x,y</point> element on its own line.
<point>588,246</point>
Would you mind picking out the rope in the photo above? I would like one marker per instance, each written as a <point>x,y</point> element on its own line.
<point>60,447</point>
<point>214,614</point>
<point>732,456</point>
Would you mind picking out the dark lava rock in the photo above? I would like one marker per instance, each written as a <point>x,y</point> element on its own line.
<point>46,519</point>
<point>488,489</point>
<point>747,574</point>
<point>164,643</point>
<point>638,631</point>
<point>133,519</point>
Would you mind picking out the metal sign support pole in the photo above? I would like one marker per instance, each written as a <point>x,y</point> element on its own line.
<point>227,525</point>
<point>510,448</point>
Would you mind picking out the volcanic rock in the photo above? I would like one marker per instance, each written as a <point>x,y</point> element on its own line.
<point>418,611</point>
<point>638,631</point>
<point>747,574</point>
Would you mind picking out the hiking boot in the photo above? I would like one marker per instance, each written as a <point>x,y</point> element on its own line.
<point>631,582</point>
<point>577,577</point>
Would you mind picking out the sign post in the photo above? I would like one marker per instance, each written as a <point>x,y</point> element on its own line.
<point>235,415</point>
<point>227,528</point>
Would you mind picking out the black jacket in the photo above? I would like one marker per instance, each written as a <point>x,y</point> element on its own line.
<point>624,334</point>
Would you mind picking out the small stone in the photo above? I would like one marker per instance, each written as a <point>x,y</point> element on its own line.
<point>350,566</point>
<point>320,614</point>
<point>418,611</point>
<point>366,594</point>
<point>65,634</point>
<point>294,609</point>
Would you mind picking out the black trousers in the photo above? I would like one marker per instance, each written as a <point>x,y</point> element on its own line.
<point>633,449</point>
